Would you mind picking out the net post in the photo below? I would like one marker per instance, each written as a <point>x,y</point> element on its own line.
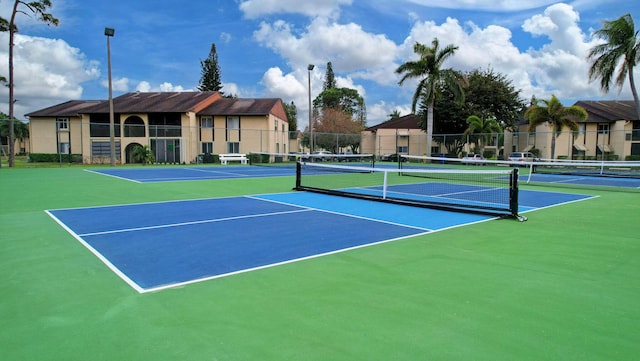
<point>513,193</point>
<point>298,174</point>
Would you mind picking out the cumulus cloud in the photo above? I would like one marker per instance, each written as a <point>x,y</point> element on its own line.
<point>327,8</point>
<point>46,71</point>
<point>118,85</point>
<point>347,46</point>
<point>145,86</point>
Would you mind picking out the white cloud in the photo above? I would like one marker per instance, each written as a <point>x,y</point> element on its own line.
<point>46,71</point>
<point>326,8</point>
<point>145,86</point>
<point>347,46</point>
<point>118,85</point>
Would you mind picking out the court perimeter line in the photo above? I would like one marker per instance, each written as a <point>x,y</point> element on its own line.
<point>102,258</point>
<point>112,176</point>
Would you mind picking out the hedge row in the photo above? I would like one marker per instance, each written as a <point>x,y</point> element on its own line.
<point>54,157</point>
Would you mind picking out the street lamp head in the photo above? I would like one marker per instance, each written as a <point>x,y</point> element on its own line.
<point>109,31</point>
<point>310,67</point>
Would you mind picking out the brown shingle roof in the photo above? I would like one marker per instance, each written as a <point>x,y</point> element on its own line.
<point>608,111</point>
<point>245,106</point>
<point>71,108</point>
<point>158,102</point>
<point>405,122</point>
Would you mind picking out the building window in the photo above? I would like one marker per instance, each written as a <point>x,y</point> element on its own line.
<point>103,149</point>
<point>63,123</point>
<point>207,148</point>
<point>233,147</point>
<point>206,122</point>
<point>283,128</point>
<point>64,148</point>
<point>233,122</point>
<point>403,149</point>
<point>635,132</point>
<point>603,128</point>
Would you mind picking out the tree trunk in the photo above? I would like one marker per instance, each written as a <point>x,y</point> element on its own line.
<point>11,139</point>
<point>632,83</point>
<point>429,127</point>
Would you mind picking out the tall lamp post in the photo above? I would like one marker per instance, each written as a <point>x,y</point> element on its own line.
<point>309,69</point>
<point>109,32</point>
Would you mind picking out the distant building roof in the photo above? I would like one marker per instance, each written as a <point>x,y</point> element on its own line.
<point>245,106</point>
<point>410,121</point>
<point>202,103</point>
<point>608,111</point>
<point>71,108</point>
<point>158,102</point>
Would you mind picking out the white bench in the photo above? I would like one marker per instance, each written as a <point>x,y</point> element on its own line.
<point>226,158</point>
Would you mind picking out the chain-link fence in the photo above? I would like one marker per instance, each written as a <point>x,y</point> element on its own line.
<point>91,143</point>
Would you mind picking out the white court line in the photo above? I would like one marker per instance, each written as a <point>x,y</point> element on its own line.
<point>191,223</point>
<point>111,175</point>
<point>344,214</point>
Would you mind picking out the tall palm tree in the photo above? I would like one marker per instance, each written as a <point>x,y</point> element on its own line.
<point>483,129</point>
<point>428,68</point>
<point>556,115</point>
<point>622,44</point>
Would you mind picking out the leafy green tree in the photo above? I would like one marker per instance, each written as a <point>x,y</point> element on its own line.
<point>344,99</point>
<point>329,78</point>
<point>39,9</point>
<point>487,94</point>
<point>556,116</point>
<point>428,68</point>
<point>337,129</point>
<point>143,154</point>
<point>292,116</point>
<point>621,50</point>
<point>210,79</point>
<point>491,95</point>
<point>482,129</point>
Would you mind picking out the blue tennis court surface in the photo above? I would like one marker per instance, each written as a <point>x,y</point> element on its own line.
<point>153,246</point>
<point>586,180</point>
<point>192,173</point>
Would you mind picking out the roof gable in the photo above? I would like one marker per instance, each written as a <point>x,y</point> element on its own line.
<point>410,121</point>
<point>246,106</point>
<point>608,111</point>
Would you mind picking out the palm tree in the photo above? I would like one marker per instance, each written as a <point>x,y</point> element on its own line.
<point>143,154</point>
<point>428,70</point>
<point>556,115</point>
<point>483,129</point>
<point>622,44</point>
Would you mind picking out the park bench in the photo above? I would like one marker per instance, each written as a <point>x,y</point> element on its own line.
<point>230,157</point>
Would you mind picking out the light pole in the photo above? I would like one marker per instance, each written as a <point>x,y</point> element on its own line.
<point>309,69</point>
<point>109,32</point>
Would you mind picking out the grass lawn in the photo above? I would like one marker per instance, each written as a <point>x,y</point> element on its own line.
<point>564,285</point>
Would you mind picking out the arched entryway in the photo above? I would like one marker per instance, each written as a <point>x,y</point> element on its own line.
<point>129,153</point>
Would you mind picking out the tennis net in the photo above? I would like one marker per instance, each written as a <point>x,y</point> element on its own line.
<point>493,192</point>
<point>588,174</point>
<point>290,159</point>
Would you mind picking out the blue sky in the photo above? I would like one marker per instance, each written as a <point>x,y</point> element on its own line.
<point>264,47</point>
